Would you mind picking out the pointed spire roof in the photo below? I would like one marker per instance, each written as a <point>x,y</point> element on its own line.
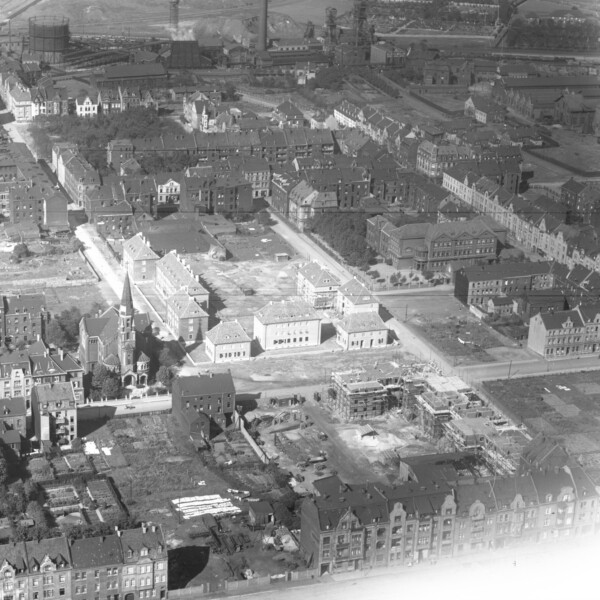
<point>126,298</point>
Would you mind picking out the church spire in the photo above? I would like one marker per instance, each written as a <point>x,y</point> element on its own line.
<point>126,299</point>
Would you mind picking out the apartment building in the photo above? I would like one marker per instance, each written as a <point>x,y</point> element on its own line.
<point>434,159</point>
<point>347,527</point>
<point>228,342</point>
<point>54,412</point>
<point>204,404</point>
<point>174,275</point>
<point>130,564</point>
<point>317,286</point>
<point>563,333</point>
<point>353,297</point>
<point>476,285</point>
<point>287,324</point>
<point>361,330</point>
<point>23,317</point>
<point>139,259</point>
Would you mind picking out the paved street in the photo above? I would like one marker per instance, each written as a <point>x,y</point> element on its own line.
<point>543,571</point>
<point>111,271</point>
<point>420,347</point>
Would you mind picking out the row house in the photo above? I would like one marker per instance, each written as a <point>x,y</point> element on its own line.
<point>348,527</point>
<point>129,564</point>
<point>21,370</point>
<point>75,174</point>
<point>36,202</point>
<point>349,184</point>
<point>535,228</point>
<point>139,259</point>
<point>305,203</point>
<point>174,275</point>
<point>13,423</point>
<point>582,198</point>
<point>563,333</point>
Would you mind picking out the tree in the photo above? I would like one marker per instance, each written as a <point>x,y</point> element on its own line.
<point>101,374</point>
<point>20,251</point>
<point>78,245</point>
<point>164,376</point>
<point>111,387</point>
<point>4,471</point>
<point>55,334</point>
<point>69,320</point>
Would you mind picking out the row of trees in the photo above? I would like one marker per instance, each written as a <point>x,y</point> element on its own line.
<point>551,35</point>
<point>93,135</point>
<point>345,232</point>
<point>63,329</point>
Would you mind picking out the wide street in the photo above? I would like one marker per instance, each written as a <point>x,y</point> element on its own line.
<point>541,571</point>
<point>420,347</point>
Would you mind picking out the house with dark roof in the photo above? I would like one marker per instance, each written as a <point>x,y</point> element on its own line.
<point>559,334</point>
<point>287,114</point>
<point>97,567</point>
<point>228,342</point>
<point>23,317</point>
<point>204,405</point>
<point>12,415</point>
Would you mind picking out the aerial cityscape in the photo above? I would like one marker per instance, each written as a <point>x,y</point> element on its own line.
<point>299,298</point>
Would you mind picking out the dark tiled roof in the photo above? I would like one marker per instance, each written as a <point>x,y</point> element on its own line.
<point>96,552</point>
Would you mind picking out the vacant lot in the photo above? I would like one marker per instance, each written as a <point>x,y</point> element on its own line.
<point>229,282</point>
<point>580,151</point>
<point>565,407</point>
<point>81,296</point>
<point>255,242</point>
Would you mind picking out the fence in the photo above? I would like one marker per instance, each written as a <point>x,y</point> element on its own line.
<point>107,410</point>
<point>243,585</point>
<point>262,455</point>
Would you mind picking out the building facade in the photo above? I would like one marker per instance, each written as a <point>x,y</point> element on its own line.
<point>228,342</point>
<point>287,324</point>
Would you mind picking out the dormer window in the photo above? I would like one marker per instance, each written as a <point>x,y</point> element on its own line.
<point>129,553</point>
<point>144,552</point>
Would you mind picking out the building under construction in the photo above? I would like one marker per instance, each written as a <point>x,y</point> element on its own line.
<point>361,394</point>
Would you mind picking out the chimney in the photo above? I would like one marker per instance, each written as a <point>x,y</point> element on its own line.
<point>61,353</point>
<point>153,528</point>
<point>263,15</point>
<point>144,528</point>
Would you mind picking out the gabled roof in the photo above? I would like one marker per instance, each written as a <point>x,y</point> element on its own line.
<point>286,311</point>
<point>318,275</point>
<point>99,551</point>
<point>213,383</point>
<point>362,322</point>
<point>553,321</point>
<point>228,332</point>
<point>356,293</point>
<point>138,249</point>
<point>12,407</point>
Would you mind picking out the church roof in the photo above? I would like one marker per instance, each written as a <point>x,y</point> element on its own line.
<point>127,298</point>
<point>112,361</point>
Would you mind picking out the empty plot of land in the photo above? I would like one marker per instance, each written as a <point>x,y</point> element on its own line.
<point>565,407</point>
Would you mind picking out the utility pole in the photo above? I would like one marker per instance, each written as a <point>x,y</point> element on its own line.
<point>509,368</point>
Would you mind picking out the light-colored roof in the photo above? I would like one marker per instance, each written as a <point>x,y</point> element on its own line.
<point>180,275</point>
<point>362,322</point>
<point>185,307</point>
<point>318,276</point>
<point>138,249</point>
<point>356,293</point>
<point>286,312</point>
<point>229,332</point>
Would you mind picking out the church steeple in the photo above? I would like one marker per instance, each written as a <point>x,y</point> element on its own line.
<point>126,307</point>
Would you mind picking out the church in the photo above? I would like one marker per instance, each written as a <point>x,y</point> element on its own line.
<point>115,339</point>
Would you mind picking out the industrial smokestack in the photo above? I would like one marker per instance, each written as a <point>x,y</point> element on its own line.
<point>174,14</point>
<point>261,43</point>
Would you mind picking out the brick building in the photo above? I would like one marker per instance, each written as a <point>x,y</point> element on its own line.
<point>475,285</point>
<point>204,404</point>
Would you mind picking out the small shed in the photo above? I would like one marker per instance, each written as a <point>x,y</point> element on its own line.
<point>260,513</point>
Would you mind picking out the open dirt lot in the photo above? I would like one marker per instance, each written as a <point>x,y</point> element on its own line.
<point>43,264</point>
<point>374,458</point>
<point>565,407</point>
<point>256,242</point>
<point>81,296</point>
<point>264,279</point>
<point>298,369</point>
<point>580,151</point>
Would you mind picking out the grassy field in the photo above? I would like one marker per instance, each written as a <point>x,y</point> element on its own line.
<point>565,407</point>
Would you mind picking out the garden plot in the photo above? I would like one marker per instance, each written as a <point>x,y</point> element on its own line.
<point>198,506</point>
<point>62,500</point>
